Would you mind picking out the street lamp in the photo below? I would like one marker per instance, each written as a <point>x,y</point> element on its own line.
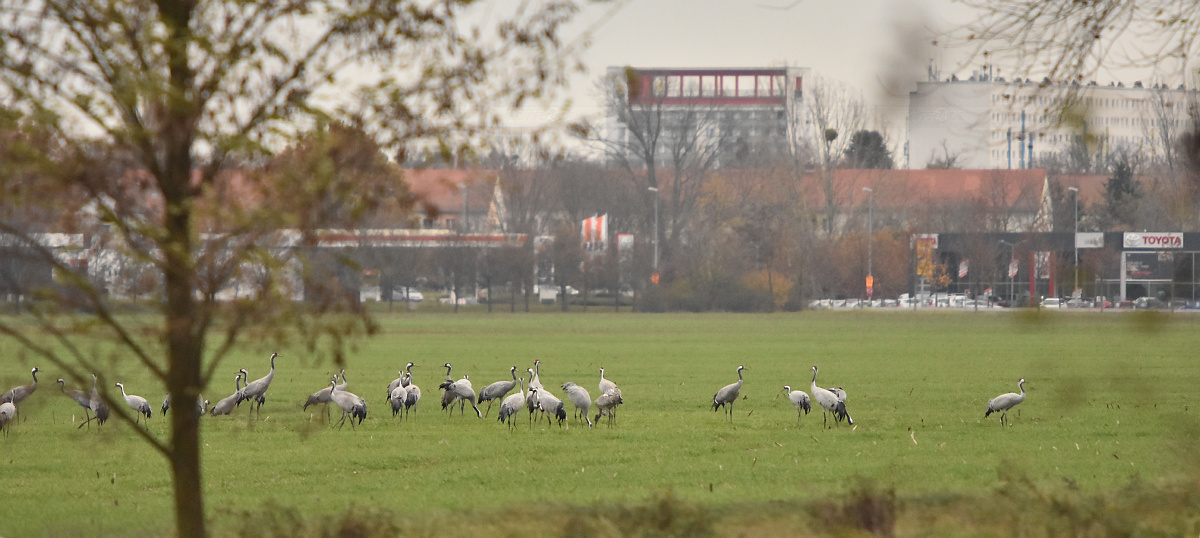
<point>1075,239</point>
<point>1012,256</point>
<point>870,238</point>
<point>655,191</point>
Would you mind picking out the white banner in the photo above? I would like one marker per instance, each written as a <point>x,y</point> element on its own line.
<point>962,268</point>
<point>1013,267</point>
<point>1089,240</point>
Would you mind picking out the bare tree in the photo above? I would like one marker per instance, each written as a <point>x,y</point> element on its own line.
<point>834,113</point>
<point>174,90</point>
<point>683,137</point>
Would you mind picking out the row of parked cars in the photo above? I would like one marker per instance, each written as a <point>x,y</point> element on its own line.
<point>1141,303</point>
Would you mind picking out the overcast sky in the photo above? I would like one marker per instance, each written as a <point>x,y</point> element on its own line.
<point>877,46</point>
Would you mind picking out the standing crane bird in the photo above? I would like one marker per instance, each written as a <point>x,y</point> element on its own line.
<point>7,412</point>
<point>225,405</point>
<point>552,407</point>
<point>607,404</point>
<point>257,390</point>
<point>414,395</point>
<point>352,406</point>
<point>321,397</point>
<point>799,399</point>
<point>461,392</point>
<point>728,394</point>
<point>97,404</point>
<point>20,392</point>
<point>606,386</point>
<point>447,396</point>
<point>401,381</point>
<point>582,400</point>
<point>497,390</point>
<point>512,404</point>
<point>1002,403</point>
<point>80,398</point>
<point>137,403</point>
<point>398,397</point>
<point>830,402</point>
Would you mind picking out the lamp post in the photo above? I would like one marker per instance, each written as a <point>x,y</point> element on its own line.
<point>1075,239</point>
<point>1012,255</point>
<point>870,238</point>
<point>655,191</point>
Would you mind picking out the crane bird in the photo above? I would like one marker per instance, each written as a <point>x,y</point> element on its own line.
<point>531,396</point>
<point>225,405</point>
<point>257,390</point>
<point>799,399</point>
<point>606,404</point>
<point>606,386</point>
<point>512,404</point>
<point>582,400</point>
<point>1002,403</point>
<point>97,404</point>
<point>137,403</point>
<point>201,403</point>
<point>401,381</point>
<point>552,407</point>
<point>398,397</point>
<point>497,390</point>
<point>461,392</point>
<point>322,397</point>
<point>352,406</point>
<point>79,396</point>
<point>447,396</point>
<point>829,402</point>
<point>414,396</point>
<point>20,392</point>
<point>728,394</point>
<point>7,411</point>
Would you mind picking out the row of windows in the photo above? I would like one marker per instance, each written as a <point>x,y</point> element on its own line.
<point>718,86</point>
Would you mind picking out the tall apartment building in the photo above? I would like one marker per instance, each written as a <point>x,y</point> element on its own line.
<point>993,123</point>
<point>739,107</point>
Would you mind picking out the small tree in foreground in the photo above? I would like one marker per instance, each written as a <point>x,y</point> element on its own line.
<point>112,103</point>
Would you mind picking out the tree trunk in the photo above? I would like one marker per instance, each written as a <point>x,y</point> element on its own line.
<point>185,465</point>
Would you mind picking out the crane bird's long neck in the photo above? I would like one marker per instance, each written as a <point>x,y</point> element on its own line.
<point>1021,386</point>
<point>35,371</point>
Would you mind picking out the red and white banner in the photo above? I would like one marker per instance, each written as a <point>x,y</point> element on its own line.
<point>962,268</point>
<point>1013,267</point>
<point>595,234</point>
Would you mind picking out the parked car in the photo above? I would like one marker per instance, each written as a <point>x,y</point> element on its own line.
<point>413,296</point>
<point>1148,302</point>
<point>1052,302</point>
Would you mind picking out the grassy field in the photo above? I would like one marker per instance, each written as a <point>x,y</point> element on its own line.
<point>1109,409</point>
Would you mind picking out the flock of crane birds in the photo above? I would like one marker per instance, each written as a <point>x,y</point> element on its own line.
<point>404,395</point>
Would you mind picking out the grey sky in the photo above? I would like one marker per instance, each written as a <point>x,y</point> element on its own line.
<point>876,46</point>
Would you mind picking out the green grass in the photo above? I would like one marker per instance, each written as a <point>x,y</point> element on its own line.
<point>1110,399</point>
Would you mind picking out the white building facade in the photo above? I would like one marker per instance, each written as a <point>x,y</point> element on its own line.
<point>993,123</point>
<point>740,107</point>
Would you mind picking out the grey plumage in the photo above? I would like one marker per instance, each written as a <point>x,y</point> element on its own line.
<point>16,394</point>
<point>401,381</point>
<point>137,403</point>
<point>799,399</point>
<point>80,398</point>
<point>462,392</point>
<point>512,404</point>
<point>497,390</point>
<point>605,385</point>
<point>581,399</point>
<point>20,392</point>
<point>256,390</point>
<point>552,407</point>
<point>414,396</point>
<point>352,406</point>
<point>225,405</point>
<point>98,405</point>
<point>729,394</point>
<point>606,404</point>
<point>398,397</point>
<point>1002,403</point>
<point>7,412</point>
<point>829,402</point>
